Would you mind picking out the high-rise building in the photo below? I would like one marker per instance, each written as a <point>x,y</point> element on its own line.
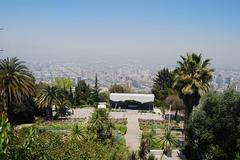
<point>78,79</point>
<point>219,81</point>
<point>228,80</point>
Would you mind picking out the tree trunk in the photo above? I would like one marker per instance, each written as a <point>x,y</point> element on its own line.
<point>49,112</point>
<point>10,115</point>
<point>176,114</point>
<point>189,101</point>
<point>9,109</point>
<point>188,109</point>
<point>186,116</point>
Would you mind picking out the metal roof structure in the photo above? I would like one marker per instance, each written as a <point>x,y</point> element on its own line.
<point>143,98</point>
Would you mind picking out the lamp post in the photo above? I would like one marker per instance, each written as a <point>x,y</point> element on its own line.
<point>169,118</point>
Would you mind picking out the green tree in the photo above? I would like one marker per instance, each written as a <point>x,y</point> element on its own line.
<point>47,98</point>
<point>176,103</point>
<point>62,106</point>
<point>214,127</point>
<point>82,92</point>
<point>162,87</point>
<point>117,88</point>
<point>192,78</point>
<point>104,97</point>
<point>16,82</point>
<point>71,96</point>
<point>95,91</point>
<point>164,79</point>
<point>64,83</point>
<point>24,111</point>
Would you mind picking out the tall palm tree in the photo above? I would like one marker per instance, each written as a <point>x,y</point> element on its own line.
<point>46,98</point>
<point>192,78</point>
<point>16,82</point>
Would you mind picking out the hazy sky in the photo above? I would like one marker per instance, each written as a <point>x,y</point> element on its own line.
<point>150,31</point>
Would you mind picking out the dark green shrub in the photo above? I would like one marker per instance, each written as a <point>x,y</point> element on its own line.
<point>214,127</point>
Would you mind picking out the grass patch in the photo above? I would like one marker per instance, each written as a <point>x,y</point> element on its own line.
<point>121,127</point>
<point>66,127</point>
<point>57,127</point>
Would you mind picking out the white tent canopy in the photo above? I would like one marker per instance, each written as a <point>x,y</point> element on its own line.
<point>143,98</point>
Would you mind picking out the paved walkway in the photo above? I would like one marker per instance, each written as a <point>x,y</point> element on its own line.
<point>82,113</point>
<point>133,135</point>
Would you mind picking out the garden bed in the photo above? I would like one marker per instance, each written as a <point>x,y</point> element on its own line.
<point>156,129</point>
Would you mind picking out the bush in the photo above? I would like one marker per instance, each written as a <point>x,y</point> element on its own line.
<point>54,146</point>
<point>214,127</point>
<point>79,142</point>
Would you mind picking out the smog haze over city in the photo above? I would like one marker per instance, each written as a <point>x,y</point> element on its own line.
<point>124,41</point>
<point>155,32</point>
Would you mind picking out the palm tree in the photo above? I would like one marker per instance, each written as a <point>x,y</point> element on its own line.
<point>148,138</point>
<point>16,82</point>
<point>192,78</point>
<point>167,141</point>
<point>62,106</point>
<point>78,133</point>
<point>101,124</point>
<point>46,98</point>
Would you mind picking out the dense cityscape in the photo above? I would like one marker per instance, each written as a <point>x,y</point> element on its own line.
<point>135,75</point>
